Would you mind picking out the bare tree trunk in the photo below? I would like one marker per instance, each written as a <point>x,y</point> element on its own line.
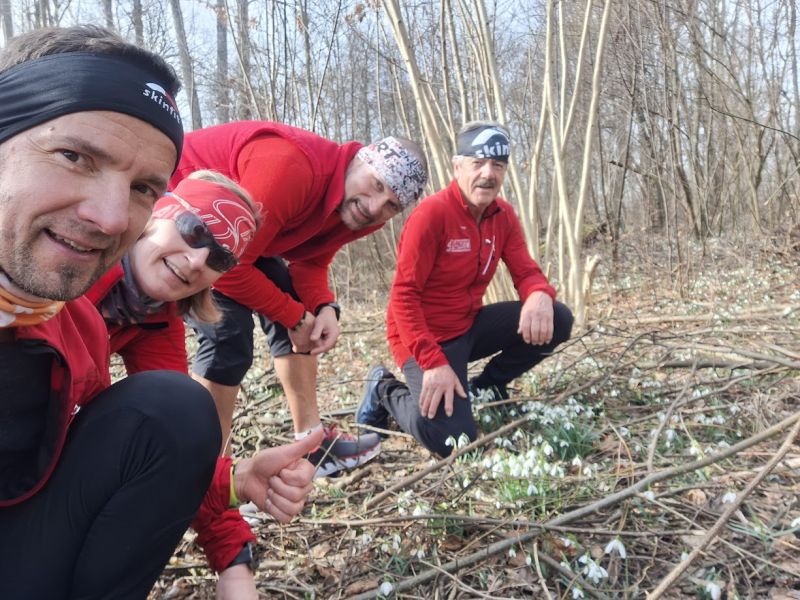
<point>187,72</point>
<point>433,135</point>
<point>6,18</point>
<point>108,12</point>
<point>138,23</point>
<point>223,105</point>
<point>246,102</point>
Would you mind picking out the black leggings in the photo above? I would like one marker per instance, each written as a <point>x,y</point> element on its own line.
<point>137,463</point>
<point>493,331</point>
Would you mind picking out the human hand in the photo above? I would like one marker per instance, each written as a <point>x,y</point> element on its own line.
<point>437,383</point>
<point>326,330</point>
<point>536,319</point>
<point>301,336</point>
<point>278,479</point>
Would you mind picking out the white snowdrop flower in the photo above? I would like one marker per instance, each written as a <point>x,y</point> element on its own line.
<point>684,556</point>
<point>795,523</point>
<point>365,539</point>
<point>477,494</point>
<point>617,546</point>
<point>386,588</point>
<point>547,449</point>
<point>450,441</point>
<point>487,418</point>
<point>512,553</point>
<point>649,495</point>
<point>568,426</point>
<point>385,548</point>
<point>577,593</point>
<point>713,590</point>
<point>418,510</point>
<point>532,490</point>
<point>733,409</point>
<point>576,462</point>
<point>528,560</point>
<point>420,553</point>
<point>568,543</point>
<point>729,498</point>
<point>497,504</point>
<point>592,570</point>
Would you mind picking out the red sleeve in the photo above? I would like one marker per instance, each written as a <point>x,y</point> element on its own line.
<point>221,531</point>
<point>279,177</point>
<point>310,279</point>
<point>148,349</point>
<point>525,273</point>
<point>416,255</point>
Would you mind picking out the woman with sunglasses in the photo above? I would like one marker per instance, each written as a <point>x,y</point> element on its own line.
<point>196,233</point>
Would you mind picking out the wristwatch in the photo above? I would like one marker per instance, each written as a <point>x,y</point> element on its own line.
<point>245,557</point>
<point>336,308</point>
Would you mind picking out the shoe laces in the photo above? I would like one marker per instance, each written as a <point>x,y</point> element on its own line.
<point>332,433</point>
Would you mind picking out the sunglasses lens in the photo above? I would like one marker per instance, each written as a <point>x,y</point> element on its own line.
<point>221,260</point>
<point>196,235</point>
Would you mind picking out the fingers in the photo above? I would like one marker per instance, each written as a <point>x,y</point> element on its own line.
<point>298,474</point>
<point>460,389</point>
<point>448,403</point>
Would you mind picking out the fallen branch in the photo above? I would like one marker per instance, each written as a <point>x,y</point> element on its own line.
<point>712,533</point>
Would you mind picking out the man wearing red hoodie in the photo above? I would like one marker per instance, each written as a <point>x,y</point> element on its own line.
<point>436,324</point>
<point>315,196</point>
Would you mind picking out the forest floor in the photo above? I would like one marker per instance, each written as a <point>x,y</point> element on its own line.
<point>656,444</point>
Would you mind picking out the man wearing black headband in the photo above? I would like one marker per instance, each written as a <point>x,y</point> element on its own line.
<point>449,250</point>
<point>97,481</point>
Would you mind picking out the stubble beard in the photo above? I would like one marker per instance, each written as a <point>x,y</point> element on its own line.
<point>64,282</point>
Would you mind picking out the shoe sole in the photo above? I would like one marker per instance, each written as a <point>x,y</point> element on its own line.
<point>334,465</point>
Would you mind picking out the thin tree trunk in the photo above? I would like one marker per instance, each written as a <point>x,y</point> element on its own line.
<point>223,106</point>
<point>138,24</point>
<point>187,72</point>
<point>6,18</point>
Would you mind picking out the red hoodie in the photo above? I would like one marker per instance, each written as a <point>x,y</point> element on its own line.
<point>445,261</point>
<point>298,179</point>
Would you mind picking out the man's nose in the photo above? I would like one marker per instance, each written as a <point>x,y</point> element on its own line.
<point>107,205</point>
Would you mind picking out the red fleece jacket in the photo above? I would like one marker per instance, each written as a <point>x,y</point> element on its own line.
<point>297,178</point>
<point>445,262</point>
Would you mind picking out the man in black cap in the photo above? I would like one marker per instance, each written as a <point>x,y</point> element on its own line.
<point>436,324</point>
<point>98,482</point>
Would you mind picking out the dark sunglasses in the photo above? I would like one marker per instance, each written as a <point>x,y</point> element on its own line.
<point>195,233</point>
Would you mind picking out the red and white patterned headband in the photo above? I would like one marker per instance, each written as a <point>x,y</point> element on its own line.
<point>227,216</point>
<point>402,171</point>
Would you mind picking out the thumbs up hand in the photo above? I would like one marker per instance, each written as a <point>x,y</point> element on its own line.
<point>278,479</point>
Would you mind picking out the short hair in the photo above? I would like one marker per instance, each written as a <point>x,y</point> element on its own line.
<point>84,38</point>
<point>201,305</point>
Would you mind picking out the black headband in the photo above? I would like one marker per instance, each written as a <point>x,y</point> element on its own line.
<point>485,141</point>
<point>44,88</point>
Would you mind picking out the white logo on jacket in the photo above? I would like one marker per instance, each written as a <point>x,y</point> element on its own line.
<point>459,245</point>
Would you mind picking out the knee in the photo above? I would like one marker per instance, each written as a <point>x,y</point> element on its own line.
<point>442,434</point>
<point>562,323</point>
<point>182,410</point>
